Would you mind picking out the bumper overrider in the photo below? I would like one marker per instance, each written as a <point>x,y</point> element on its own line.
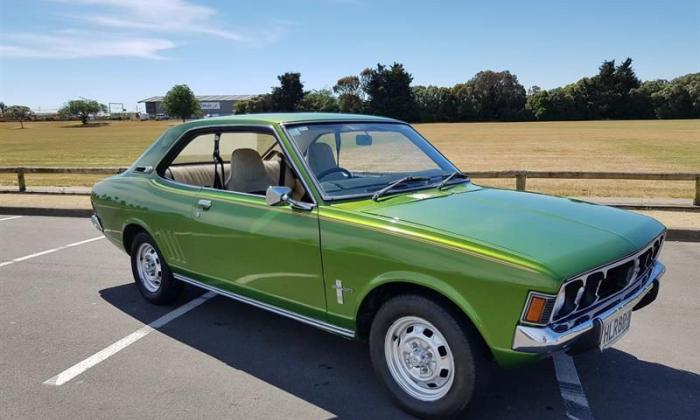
<point>96,222</point>
<point>585,335</point>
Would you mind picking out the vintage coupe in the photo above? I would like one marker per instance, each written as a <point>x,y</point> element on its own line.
<point>357,225</point>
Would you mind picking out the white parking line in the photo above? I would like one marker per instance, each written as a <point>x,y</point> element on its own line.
<point>116,347</point>
<point>48,251</point>
<point>2,219</point>
<point>575,401</point>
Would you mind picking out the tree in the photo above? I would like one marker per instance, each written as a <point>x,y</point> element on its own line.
<point>288,95</point>
<point>81,108</point>
<point>19,113</point>
<point>319,101</point>
<point>434,104</point>
<point>3,107</point>
<point>388,91</point>
<point>679,98</point>
<point>180,102</point>
<point>257,104</point>
<point>464,102</point>
<point>497,96</point>
<point>349,94</point>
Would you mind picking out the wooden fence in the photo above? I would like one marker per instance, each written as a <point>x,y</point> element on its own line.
<point>520,176</point>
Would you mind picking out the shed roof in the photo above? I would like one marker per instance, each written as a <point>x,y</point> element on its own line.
<point>205,98</point>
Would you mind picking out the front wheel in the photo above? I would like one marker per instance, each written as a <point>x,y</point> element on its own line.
<point>430,362</point>
<point>151,273</point>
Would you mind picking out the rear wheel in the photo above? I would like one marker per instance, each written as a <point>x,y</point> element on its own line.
<point>151,273</point>
<point>430,363</point>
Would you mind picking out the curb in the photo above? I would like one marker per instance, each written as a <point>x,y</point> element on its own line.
<point>675,235</point>
<point>39,211</point>
<point>683,235</point>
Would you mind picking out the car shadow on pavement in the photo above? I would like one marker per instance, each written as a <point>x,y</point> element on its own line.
<point>328,371</point>
<point>620,386</point>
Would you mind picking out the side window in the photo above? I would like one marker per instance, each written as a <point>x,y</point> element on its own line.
<point>201,148</point>
<point>248,162</point>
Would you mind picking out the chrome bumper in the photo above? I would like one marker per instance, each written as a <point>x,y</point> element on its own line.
<point>97,223</point>
<point>545,340</point>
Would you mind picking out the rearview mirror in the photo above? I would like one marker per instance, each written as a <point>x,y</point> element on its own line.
<point>274,196</point>
<point>363,140</point>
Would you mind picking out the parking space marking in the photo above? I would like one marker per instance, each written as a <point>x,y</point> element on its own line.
<point>570,387</point>
<point>120,345</point>
<point>2,219</point>
<point>48,251</point>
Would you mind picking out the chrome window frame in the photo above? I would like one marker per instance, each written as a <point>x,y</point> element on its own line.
<point>231,128</point>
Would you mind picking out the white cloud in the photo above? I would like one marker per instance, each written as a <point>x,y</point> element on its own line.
<point>172,16</point>
<point>81,44</point>
<point>132,28</point>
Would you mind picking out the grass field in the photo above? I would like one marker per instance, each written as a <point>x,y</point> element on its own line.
<point>662,146</point>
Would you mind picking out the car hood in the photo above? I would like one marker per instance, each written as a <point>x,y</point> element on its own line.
<point>566,236</point>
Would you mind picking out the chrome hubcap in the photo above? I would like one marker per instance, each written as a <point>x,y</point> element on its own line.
<point>419,358</point>
<point>149,268</point>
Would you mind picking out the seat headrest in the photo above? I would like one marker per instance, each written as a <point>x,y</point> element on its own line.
<point>248,172</point>
<point>320,157</point>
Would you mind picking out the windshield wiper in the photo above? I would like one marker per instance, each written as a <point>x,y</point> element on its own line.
<point>396,183</point>
<point>450,177</point>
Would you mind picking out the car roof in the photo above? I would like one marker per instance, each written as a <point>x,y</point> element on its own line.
<point>293,117</point>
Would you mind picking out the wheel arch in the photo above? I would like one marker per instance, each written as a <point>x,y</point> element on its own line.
<point>438,291</point>
<point>130,230</point>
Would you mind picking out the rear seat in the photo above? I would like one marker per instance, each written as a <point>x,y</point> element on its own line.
<point>203,175</point>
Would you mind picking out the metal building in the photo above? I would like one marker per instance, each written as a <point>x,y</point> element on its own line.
<point>212,105</point>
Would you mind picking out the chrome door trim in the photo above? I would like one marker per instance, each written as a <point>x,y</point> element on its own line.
<point>266,306</point>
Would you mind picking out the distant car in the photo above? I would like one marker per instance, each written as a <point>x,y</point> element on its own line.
<point>357,225</point>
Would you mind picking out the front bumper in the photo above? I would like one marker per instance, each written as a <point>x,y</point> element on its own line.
<point>584,335</point>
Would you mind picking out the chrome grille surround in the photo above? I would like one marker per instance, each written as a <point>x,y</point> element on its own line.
<point>591,292</point>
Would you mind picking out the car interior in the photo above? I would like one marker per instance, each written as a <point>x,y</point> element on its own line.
<point>235,161</point>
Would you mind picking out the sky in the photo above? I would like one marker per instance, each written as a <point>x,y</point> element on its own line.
<point>123,51</point>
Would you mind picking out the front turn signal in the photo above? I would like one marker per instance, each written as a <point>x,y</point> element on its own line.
<point>538,309</point>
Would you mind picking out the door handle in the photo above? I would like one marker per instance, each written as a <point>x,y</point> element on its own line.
<point>204,204</point>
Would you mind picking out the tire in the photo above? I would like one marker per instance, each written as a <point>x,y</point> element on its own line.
<point>151,274</point>
<point>443,384</point>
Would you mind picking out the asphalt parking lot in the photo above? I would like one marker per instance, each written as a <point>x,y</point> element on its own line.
<point>66,296</point>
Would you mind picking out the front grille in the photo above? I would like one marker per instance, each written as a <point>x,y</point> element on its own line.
<point>604,283</point>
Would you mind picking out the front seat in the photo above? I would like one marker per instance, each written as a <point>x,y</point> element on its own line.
<point>248,174</point>
<point>320,157</point>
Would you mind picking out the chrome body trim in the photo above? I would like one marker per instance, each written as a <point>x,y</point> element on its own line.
<point>546,340</point>
<point>97,223</point>
<point>266,306</point>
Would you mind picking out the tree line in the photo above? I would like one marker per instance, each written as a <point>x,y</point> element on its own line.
<point>615,92</point>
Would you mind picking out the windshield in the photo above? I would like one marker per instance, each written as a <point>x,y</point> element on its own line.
<point>356,159</point>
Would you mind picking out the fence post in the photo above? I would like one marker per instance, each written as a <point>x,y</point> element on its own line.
<point>520,180</point>
<point>20,180</point>
<point>697,191</point>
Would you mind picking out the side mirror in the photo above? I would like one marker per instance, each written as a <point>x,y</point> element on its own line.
<point>277,195</point>
<point>363,140</point>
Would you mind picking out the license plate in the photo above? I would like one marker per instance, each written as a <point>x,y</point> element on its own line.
<point>614,327</point>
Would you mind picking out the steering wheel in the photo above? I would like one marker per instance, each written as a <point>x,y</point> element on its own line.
<point>333,170</point>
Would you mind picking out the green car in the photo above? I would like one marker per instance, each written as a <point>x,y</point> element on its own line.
<point>358,226</point>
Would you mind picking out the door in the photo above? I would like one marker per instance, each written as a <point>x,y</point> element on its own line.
<point>240,244</point>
